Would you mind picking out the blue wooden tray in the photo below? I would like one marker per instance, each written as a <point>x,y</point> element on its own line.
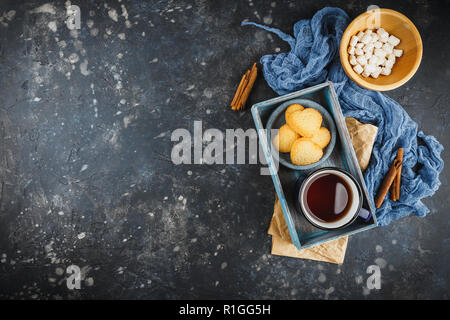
<point>303,234</point>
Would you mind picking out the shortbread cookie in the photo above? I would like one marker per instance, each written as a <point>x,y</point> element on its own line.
<point>322,137</point>
<point>306,123</point>
<point>285,138</point>
<point>304,152</point>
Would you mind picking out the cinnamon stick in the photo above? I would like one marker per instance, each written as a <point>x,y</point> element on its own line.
<point>395,188</point>
<point>387,182</point>
<point>248,87</point>
<point>244,88</point>
<point>240,89</point>
<point>398,178</point>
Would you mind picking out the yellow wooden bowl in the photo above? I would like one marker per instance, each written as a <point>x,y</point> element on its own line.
<point>396,24</point>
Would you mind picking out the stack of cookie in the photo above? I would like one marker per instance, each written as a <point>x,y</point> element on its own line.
<point>302,135</point>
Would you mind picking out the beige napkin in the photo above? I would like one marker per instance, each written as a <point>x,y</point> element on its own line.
<point>363,137</point>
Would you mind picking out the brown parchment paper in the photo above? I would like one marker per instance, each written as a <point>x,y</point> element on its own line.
<point>363,137</point>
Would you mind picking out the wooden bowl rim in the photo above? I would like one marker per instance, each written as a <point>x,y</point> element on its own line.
<point>362,82</point>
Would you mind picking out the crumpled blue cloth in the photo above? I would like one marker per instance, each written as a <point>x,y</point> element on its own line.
<point>314,59</point>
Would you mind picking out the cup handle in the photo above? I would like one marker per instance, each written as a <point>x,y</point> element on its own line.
<point>364,214</point>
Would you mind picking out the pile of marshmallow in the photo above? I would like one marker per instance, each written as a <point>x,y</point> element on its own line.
<point>373,53</point>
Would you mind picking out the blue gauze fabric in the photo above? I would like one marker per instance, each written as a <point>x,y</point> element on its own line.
<point>314,59</point>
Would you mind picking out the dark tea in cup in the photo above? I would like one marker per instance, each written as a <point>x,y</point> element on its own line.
<point>329,198</point>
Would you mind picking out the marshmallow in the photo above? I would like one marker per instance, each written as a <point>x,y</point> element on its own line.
<point>366,39</point>
<point>360,35</point>
<point>376,73</point>
<point>380,53</point>
<point>388,48</point>
<point>378,44</point>
<point>362,60</point>
<point>375,37</point>
<point>373,60</point>
<point>382,32</point>
<point>389,64</point>
<point>369,68</point>
<point>359,45</point>
<point>398,53</point>
<point>393,40</point>
<point>353,60</point>
<point>368,48</point>
<point>385,71</point>
<point>391,57</point>
<point>359,51</point>
<point>365,74</point>
<point>358,69</point>
<point>351,50</point>
<point>354,41</point>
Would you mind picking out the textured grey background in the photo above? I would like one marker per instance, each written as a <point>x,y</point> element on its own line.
<point>85,125</point>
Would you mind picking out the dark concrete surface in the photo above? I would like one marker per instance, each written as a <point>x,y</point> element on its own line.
<point>86,176</point>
